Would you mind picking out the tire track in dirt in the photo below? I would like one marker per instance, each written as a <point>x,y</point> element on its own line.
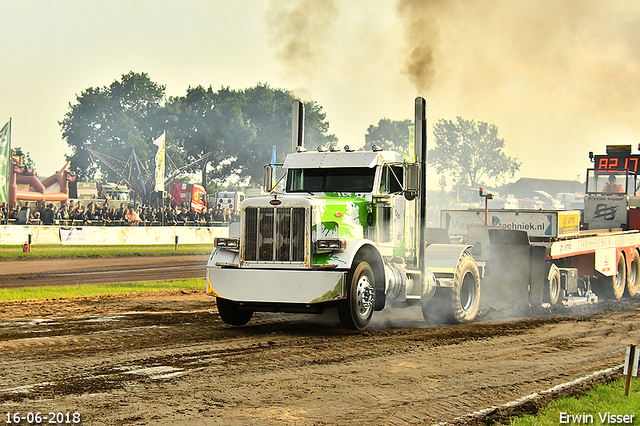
<point>254,350</point>
<point>152,362</point>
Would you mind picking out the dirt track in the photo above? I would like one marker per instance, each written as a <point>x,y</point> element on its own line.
<point>168,359</point>
<point>20,273</point>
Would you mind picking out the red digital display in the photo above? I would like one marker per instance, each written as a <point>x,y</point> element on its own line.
<point>629,163</point>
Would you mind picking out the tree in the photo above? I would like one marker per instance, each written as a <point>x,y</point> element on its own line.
<point>211,122</point>
<point>113,121</point>
<point>238,128</point>
<point>470,152</point>
<point>388,134</point>
<point>269,110</point>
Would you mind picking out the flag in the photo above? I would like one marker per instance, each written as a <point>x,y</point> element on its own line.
<point>160,143</point>
<point>5,152</point>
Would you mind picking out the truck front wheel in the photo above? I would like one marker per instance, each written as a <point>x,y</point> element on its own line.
<point>356,310</point>
<point>230,313</point>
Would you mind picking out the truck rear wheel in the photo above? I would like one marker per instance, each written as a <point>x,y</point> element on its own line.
<point>552,286</point>
<point>356,310</point>
<point>460,303</point>
<point>613,287</point>
<point>633,275</point>
<point>230,313</point>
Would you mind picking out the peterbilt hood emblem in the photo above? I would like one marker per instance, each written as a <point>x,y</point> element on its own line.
<point>275,202</point>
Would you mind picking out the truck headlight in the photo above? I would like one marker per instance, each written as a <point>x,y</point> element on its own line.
<point>331,245</point>
<point>232,244</point>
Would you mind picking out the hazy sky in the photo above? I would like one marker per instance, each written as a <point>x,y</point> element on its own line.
<point>558,78</point>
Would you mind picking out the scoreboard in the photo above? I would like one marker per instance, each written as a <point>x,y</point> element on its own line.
<point>617,163</point>
<point>618,159</point>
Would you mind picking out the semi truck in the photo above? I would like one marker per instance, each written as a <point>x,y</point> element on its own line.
<point>349,232</point>
<point>188,195</point>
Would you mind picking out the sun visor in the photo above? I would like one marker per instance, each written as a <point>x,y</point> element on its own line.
<point>306,160</point>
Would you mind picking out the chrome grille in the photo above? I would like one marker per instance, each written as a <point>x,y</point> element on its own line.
<point>274,234</point>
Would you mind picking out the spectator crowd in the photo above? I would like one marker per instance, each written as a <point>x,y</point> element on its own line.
<point>77,214</point>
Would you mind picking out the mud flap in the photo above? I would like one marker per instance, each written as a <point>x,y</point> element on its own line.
<point>537,277</point>
<point>506,283</point>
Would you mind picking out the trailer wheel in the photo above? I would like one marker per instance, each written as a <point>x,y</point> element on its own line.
<point>633,275</point>
<point>613,287</point>
<point>356,310</point>
<point>552,286</point>
<point>230,313</point>
<point>460,303</point>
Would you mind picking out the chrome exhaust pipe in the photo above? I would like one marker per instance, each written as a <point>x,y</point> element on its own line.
<point>297,126</point>
<point>420,132</point>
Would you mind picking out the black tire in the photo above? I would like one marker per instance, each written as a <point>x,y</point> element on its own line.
<point>633,275</point>
<point>460,303</point>
<point>613,287</point>
<point>356,310</point>
<point>230,313</point>
<point>552,286</point>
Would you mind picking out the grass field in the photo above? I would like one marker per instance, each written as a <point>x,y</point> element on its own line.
<point>89,290</point>
<point>14,252</point>
<point>596,407</point>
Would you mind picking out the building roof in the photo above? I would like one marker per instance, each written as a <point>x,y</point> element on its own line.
<point>526,187</point>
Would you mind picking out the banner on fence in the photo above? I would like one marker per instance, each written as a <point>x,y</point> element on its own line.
<point>110,235</point>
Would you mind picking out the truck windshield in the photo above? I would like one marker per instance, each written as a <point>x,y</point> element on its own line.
<point>612,183</point>
<point>351,179</point>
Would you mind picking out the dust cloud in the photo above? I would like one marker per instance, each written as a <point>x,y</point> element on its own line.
<point>420,24</point>
<point>557,78</point>
<point>299,30</point>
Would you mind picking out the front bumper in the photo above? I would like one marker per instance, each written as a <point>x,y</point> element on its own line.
<point>275,285</point>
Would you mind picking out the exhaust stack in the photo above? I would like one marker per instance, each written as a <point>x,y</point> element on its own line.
<point>420,132</point>
<point>297,125</point>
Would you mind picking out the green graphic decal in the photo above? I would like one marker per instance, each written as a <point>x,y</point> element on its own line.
<point>327,259</point>
<point>347,211</point>
<point>334,294</point>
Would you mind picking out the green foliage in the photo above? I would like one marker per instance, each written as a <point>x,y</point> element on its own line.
<point>210,122</point>
<point>114,120</point>
<point>91,290</point>
<point>470,152</point>
<point>388,134</point>
<point>51,251</point>
<point>238,128</point>
<point>604,399</point>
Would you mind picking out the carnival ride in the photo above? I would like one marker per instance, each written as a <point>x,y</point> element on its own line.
<point>24,185</point>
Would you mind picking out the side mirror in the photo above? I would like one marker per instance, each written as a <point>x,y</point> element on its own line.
<point>412,179</point>
<point>267,178</point>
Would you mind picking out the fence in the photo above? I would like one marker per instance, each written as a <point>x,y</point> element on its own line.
<point>109,235</point>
